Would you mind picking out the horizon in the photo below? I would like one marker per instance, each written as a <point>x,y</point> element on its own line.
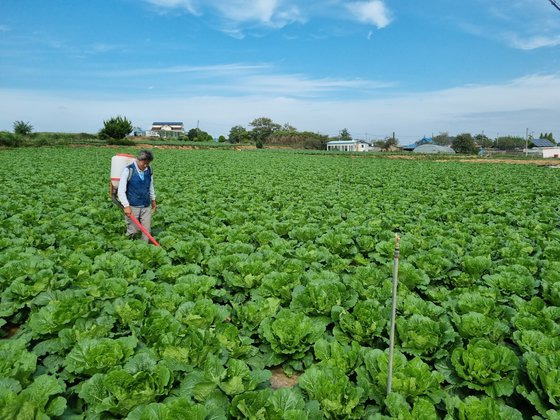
<point>372,67</point>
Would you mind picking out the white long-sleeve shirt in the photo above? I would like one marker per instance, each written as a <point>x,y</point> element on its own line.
<point>121,192</point>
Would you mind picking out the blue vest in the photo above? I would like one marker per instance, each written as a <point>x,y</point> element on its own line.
<point>138,190</point>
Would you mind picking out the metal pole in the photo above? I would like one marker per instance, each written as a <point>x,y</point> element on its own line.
<point>393,314</point>
<point>526,141</point>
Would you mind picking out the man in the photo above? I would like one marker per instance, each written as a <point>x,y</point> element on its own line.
<point>136,193</point>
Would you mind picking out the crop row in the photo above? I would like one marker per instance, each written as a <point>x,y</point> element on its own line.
<point>279,260</point>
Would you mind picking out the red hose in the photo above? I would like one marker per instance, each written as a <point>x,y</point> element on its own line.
<point>143,229</point>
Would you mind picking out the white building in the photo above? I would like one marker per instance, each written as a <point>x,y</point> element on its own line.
<point>545,152</point>
<point>166,129</point>
<point>544,148</point>
<point>351,146</point>
<point>551,152</point>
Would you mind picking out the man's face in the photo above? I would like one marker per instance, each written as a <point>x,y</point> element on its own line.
<point>143,164</point>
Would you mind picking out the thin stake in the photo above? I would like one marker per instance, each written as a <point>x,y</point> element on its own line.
<point>393,314</point>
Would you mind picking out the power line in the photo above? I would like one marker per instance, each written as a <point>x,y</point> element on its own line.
<point>555,4</point>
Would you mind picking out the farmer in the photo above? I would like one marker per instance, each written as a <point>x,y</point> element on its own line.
<point>136,193</point>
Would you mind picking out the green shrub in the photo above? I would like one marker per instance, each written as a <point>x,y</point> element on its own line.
<point>22,128</point>
<point>115,128</point>
<point>8,139</point>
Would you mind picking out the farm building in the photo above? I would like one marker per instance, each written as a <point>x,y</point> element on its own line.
<point>422,141</point>
<point>544,148</point>
<point>138,132</point>
<point>166,129</point>
<point>434,149</point>
<point>351,146</point>
<point>550,152</point>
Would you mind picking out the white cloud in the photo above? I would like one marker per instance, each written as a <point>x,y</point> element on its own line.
<point>530,102</point>
<point>371,12</point>
<point>534,42</point>
<point>296,85</point>
<point>235,15</point>
<point>521,24</point>
<point>244,10</point>
<point>244,79</point>
<point>188,5</point>
<point>207,70</point>
<point>100,47</point>
<point>273,13</point>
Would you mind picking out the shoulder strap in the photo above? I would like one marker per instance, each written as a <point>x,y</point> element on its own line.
<point>131,171</point>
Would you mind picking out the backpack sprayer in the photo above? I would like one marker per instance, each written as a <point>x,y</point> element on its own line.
<point>118,163</point>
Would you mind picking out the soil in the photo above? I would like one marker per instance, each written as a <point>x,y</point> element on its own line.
<point>280,380</point>
<point>11,330</point>
<point>467,159</point>
<point>553,163</point>
<point>191,147</point>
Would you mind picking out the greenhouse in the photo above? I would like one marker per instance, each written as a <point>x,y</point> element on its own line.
<point>434,149</point>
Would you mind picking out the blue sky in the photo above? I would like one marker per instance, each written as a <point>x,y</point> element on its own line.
<point>413,67</point>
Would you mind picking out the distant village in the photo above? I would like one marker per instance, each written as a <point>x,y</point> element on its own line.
<point>426,145</point>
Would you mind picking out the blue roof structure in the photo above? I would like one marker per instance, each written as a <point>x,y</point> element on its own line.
<point>542,143</point>
<point>423,140</point>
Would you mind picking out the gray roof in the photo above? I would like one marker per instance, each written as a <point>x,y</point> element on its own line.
<point>346,142</point>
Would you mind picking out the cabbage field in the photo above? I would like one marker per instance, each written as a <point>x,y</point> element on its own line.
<point>275,260</point>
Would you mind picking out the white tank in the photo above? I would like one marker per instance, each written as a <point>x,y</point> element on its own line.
<point>118,163</point>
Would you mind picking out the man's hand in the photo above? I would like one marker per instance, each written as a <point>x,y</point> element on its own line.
<point>127,211</point>
<point>154,206</point>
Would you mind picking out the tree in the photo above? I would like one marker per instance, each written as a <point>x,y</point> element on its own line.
<point>443,139</point>
<point>204,136</point>
<point>483,140</point>
<point>389,142</point>
<point>192,134</point>
<point>344,135</point>
<point>262,129</point>
<point>22,128</point>
<point>238,134</point>
<point>289,128</point>
<point>379,143</point>
<point>298,140</point>
<point>509,143</point>
<point>464,143</point>
<point>221,139</point>
<point>196,134</point>
<point>548,136</point>
<point>116,128</point>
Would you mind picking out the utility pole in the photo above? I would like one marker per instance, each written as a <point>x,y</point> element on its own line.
<point>526,140</point>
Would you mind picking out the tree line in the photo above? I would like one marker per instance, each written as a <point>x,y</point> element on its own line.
<point>264,131</point>
<point>469,144</point>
